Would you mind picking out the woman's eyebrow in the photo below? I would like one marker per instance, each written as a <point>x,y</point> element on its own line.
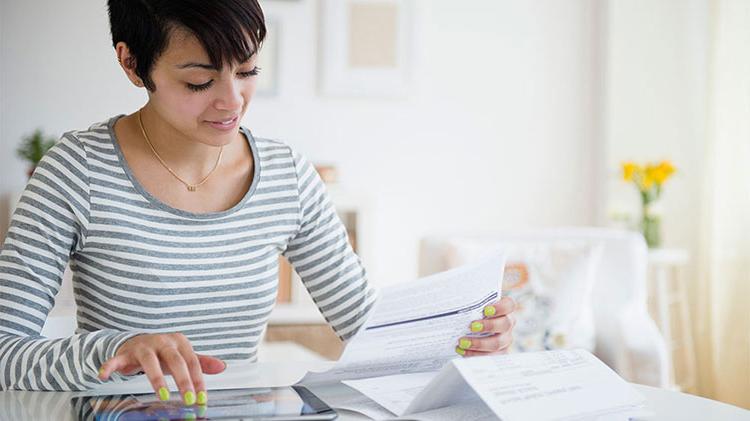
<point>198,65</point>
<point>204,65</point>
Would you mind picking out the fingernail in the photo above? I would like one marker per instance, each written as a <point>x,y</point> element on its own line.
<point>190,416</point>
<point>460,351</point>
<point>189,398</point>
<point>477,326</point>
<point>202,398</point>
<point>163,393</point>
<point>464,344</point>
<point>489,311</point>
<point>202,411</point>
<point>101,371</point>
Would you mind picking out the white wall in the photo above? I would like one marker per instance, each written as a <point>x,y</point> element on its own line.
<point>656,62</point>
<point>656,79</point>
<point>497,133</point>
<point>655,108</point>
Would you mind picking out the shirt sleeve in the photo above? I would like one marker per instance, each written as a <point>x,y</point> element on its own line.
<point>47,227</point>
<point>323,257</point>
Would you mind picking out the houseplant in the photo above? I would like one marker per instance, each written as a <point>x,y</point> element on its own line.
<point>649,179</point>
<point>33,147</point>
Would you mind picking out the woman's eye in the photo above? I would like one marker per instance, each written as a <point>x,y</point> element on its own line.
<point>198,88</point>
<point>203,87</point>
<point>253,72</point>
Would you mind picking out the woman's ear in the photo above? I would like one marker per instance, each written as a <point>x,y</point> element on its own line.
<point>127,62</point>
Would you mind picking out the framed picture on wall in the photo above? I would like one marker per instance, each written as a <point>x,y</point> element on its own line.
<point>365,48</point>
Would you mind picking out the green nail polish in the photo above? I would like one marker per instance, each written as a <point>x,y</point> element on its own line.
<point>190,416</point>
<point>477,326</point>
<point>202,398</point>
<point>163,393</point>
<point>464,344</point>
<point>460,351</point>
<point>189,398</point>
<point>489,311</point>
<point>101,371</point>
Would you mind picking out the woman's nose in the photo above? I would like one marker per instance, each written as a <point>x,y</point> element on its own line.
<point>230,96</point>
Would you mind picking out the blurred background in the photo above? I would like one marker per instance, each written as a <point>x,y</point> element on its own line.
<point>450,119</point>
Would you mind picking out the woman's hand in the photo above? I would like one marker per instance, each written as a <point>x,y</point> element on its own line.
<point>160,354</point>
<point>497,320</point>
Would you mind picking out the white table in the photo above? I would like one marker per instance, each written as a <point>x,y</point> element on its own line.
<point>668,289</point>
<point>19,405</point>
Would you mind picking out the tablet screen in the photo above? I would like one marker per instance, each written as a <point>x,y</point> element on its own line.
<point>290,403</point>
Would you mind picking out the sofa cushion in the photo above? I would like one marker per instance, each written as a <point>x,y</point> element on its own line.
<point>551,283</point>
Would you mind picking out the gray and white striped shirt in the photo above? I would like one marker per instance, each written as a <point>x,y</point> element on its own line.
<point>140,265</point>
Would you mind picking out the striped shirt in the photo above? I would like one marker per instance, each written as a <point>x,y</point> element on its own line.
<point>141,266</point>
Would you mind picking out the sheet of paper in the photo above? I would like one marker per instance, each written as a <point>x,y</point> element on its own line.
<point>550,385</point>
<point>352,400</point>
<point>345,398</point>
<point>394,393</point>
<point>415,326</point>
<point>475,410</point>
<point>447,388</point>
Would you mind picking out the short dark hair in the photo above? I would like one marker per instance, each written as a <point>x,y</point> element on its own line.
<point>221,26</point>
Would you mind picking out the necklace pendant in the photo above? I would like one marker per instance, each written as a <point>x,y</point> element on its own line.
<point>191,188</point>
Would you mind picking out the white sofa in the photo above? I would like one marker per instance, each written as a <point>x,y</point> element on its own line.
<point>626,338</point>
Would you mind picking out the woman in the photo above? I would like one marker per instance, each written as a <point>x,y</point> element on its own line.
<point>172,219</point>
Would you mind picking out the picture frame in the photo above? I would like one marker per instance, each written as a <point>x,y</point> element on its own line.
<point>365,48</point>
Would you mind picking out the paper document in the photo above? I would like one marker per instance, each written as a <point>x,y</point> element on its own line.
<point>548,385</point>
<point>415,326</point>
<point>393,393</point>
<point>345,398</point>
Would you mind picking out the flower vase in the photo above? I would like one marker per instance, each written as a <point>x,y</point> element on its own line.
<point>651,227</point>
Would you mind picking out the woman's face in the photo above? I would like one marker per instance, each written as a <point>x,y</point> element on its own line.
<point>196,99</point>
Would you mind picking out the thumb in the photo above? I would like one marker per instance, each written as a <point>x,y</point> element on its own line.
<point>122,363</point>
<point>211,365</point>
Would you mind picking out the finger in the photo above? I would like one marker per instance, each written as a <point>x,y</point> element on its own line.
<point>495,325</point>
<point>211,365</point>
<point>152,368</point>
<point>196,373</point>
<point>113,364</point>
<point>504,306</point>
<point>486,344</point>
<point>179,369</point>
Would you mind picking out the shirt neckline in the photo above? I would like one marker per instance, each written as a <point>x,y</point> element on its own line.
<point>163,206</point>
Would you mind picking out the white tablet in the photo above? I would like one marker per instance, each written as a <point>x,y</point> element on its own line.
<point>277,404</point>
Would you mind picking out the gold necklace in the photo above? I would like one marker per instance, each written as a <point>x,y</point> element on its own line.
<point>190,187</point>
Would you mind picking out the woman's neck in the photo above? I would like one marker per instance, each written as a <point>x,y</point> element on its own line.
<point>190,158</point>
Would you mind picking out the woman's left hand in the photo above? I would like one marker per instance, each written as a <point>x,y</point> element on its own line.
<point>499,321</point>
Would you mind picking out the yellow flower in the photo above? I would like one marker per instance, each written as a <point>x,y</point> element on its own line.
<point>629,169</point>
<point>646,177</point>
<point>667,168</point>
<point>660,173</point>
<point>654,174</point>
<point>646,181</point>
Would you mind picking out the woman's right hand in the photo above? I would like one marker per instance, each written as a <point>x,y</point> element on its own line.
<point>160,354</point>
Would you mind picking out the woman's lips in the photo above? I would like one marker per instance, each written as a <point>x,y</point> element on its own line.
<point>224,124</point>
